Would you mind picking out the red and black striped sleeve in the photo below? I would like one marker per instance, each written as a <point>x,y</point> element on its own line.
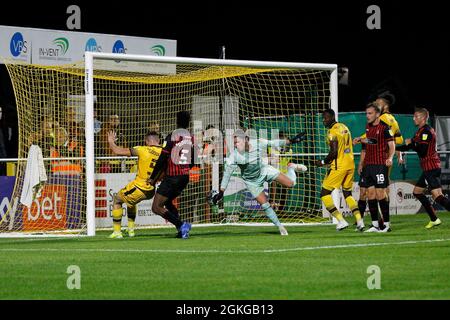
<point>421,142</point>
<point>163,159</point>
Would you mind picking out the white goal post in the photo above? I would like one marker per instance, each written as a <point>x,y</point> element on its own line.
<point>92,57</point>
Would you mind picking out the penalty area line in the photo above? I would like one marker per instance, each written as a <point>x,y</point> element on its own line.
<point>343,246</point>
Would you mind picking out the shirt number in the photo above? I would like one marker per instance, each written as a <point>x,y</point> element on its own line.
<point>380,178</point>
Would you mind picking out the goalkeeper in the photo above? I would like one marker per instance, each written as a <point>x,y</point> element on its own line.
<point>247,156</point>
<point>138,189</point>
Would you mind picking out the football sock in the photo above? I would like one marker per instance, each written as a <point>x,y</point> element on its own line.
<point>329,204</point>
<point>362,204</point>
<point>354,207</point>
<point>384,206</point>
<point>173,219</point>
<point>131,211</point>
<point>117,219</point>
<point>373,208</point>
<point>169,206</point>
<point>291,175</point>
<point>443,201</point>
<point>427,205</point>
<point>271,214</point>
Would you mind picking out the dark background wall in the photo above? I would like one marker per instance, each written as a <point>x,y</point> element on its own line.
<point>409,55</point>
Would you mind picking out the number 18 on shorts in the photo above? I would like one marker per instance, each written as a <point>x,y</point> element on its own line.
<point>375,175</point>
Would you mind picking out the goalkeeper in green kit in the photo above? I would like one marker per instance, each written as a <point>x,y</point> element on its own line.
<point>247,155</point>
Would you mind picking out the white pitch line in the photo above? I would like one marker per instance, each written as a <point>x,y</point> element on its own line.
<point>343,246</point>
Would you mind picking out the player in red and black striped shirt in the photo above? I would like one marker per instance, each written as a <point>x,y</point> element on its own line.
<point>424,143</point>
<point>175,160</point>
<point>379,150</point>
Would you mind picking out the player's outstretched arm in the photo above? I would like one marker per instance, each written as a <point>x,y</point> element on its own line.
<point>116,149</point>
<point>229,169</point>
<point>407,146</point>
<point>298,138</point>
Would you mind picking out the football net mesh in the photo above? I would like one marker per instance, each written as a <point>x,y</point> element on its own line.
<point>272,102</point>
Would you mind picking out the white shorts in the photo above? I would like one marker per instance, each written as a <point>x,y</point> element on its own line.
<point>268,174</point>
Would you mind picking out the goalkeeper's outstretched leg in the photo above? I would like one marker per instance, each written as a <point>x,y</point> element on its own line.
<point>256,188</point>
<point>270,213</point>
<point>289,179</point>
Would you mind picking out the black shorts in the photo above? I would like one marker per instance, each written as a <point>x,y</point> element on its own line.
<point>362,182</point>
<point>430,179</point>
<point>172,186</point>
<point>374,175</point>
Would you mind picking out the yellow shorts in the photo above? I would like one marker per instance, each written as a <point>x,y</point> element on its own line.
<point>132,195</point>
<point>337,178</point>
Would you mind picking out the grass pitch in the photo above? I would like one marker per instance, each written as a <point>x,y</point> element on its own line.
<point>313,262</point>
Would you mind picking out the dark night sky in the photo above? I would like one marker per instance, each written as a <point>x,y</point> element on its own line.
<point>409,55</point>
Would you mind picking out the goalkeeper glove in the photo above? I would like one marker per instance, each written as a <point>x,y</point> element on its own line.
<point>298,138</point>
<point>215,196</point>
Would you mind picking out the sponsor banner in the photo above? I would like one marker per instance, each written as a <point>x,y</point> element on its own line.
<point>61,205</point>
<point>15,44</point>
<point>142,46</point>
<point>8,207</point>
<point>106,187</point>
<point>47,212</point>
<point>57,47</point>
<point>54,47</point>
<point>401,200</point>
<point>6,187</point>
<point>238,199</point>
<point>443,133</point>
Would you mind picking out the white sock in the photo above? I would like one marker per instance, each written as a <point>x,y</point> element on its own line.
<point>291,175</point>
<point>375,224</point>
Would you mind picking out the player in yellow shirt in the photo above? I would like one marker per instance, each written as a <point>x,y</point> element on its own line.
<point>138,189</point>
<point>341,169</point>
<point>385,101</point>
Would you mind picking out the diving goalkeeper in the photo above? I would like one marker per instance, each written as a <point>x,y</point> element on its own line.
<point>247,156</point>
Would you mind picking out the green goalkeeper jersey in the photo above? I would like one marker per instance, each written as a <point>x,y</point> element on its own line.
<point>249,162</point>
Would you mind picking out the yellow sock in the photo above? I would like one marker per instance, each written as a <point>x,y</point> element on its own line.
<point>329,204</point>
<point>117,227</point>
<point>353,205</point>
<point>117,219</point>
<point>130,224</point>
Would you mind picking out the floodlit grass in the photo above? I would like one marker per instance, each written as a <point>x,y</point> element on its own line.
<point>313,262</point>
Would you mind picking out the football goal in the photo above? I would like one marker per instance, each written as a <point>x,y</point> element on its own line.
<point>68,110</point>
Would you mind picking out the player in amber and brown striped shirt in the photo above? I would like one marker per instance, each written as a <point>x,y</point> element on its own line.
<point>424,143</point>
<point>379,150</point>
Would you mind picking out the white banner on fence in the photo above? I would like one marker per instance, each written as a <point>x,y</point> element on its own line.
<point>401,200</point>
<point>57,47</point>
<point>107,186</point>
<point>15,44</point>
<point>443,133</point>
